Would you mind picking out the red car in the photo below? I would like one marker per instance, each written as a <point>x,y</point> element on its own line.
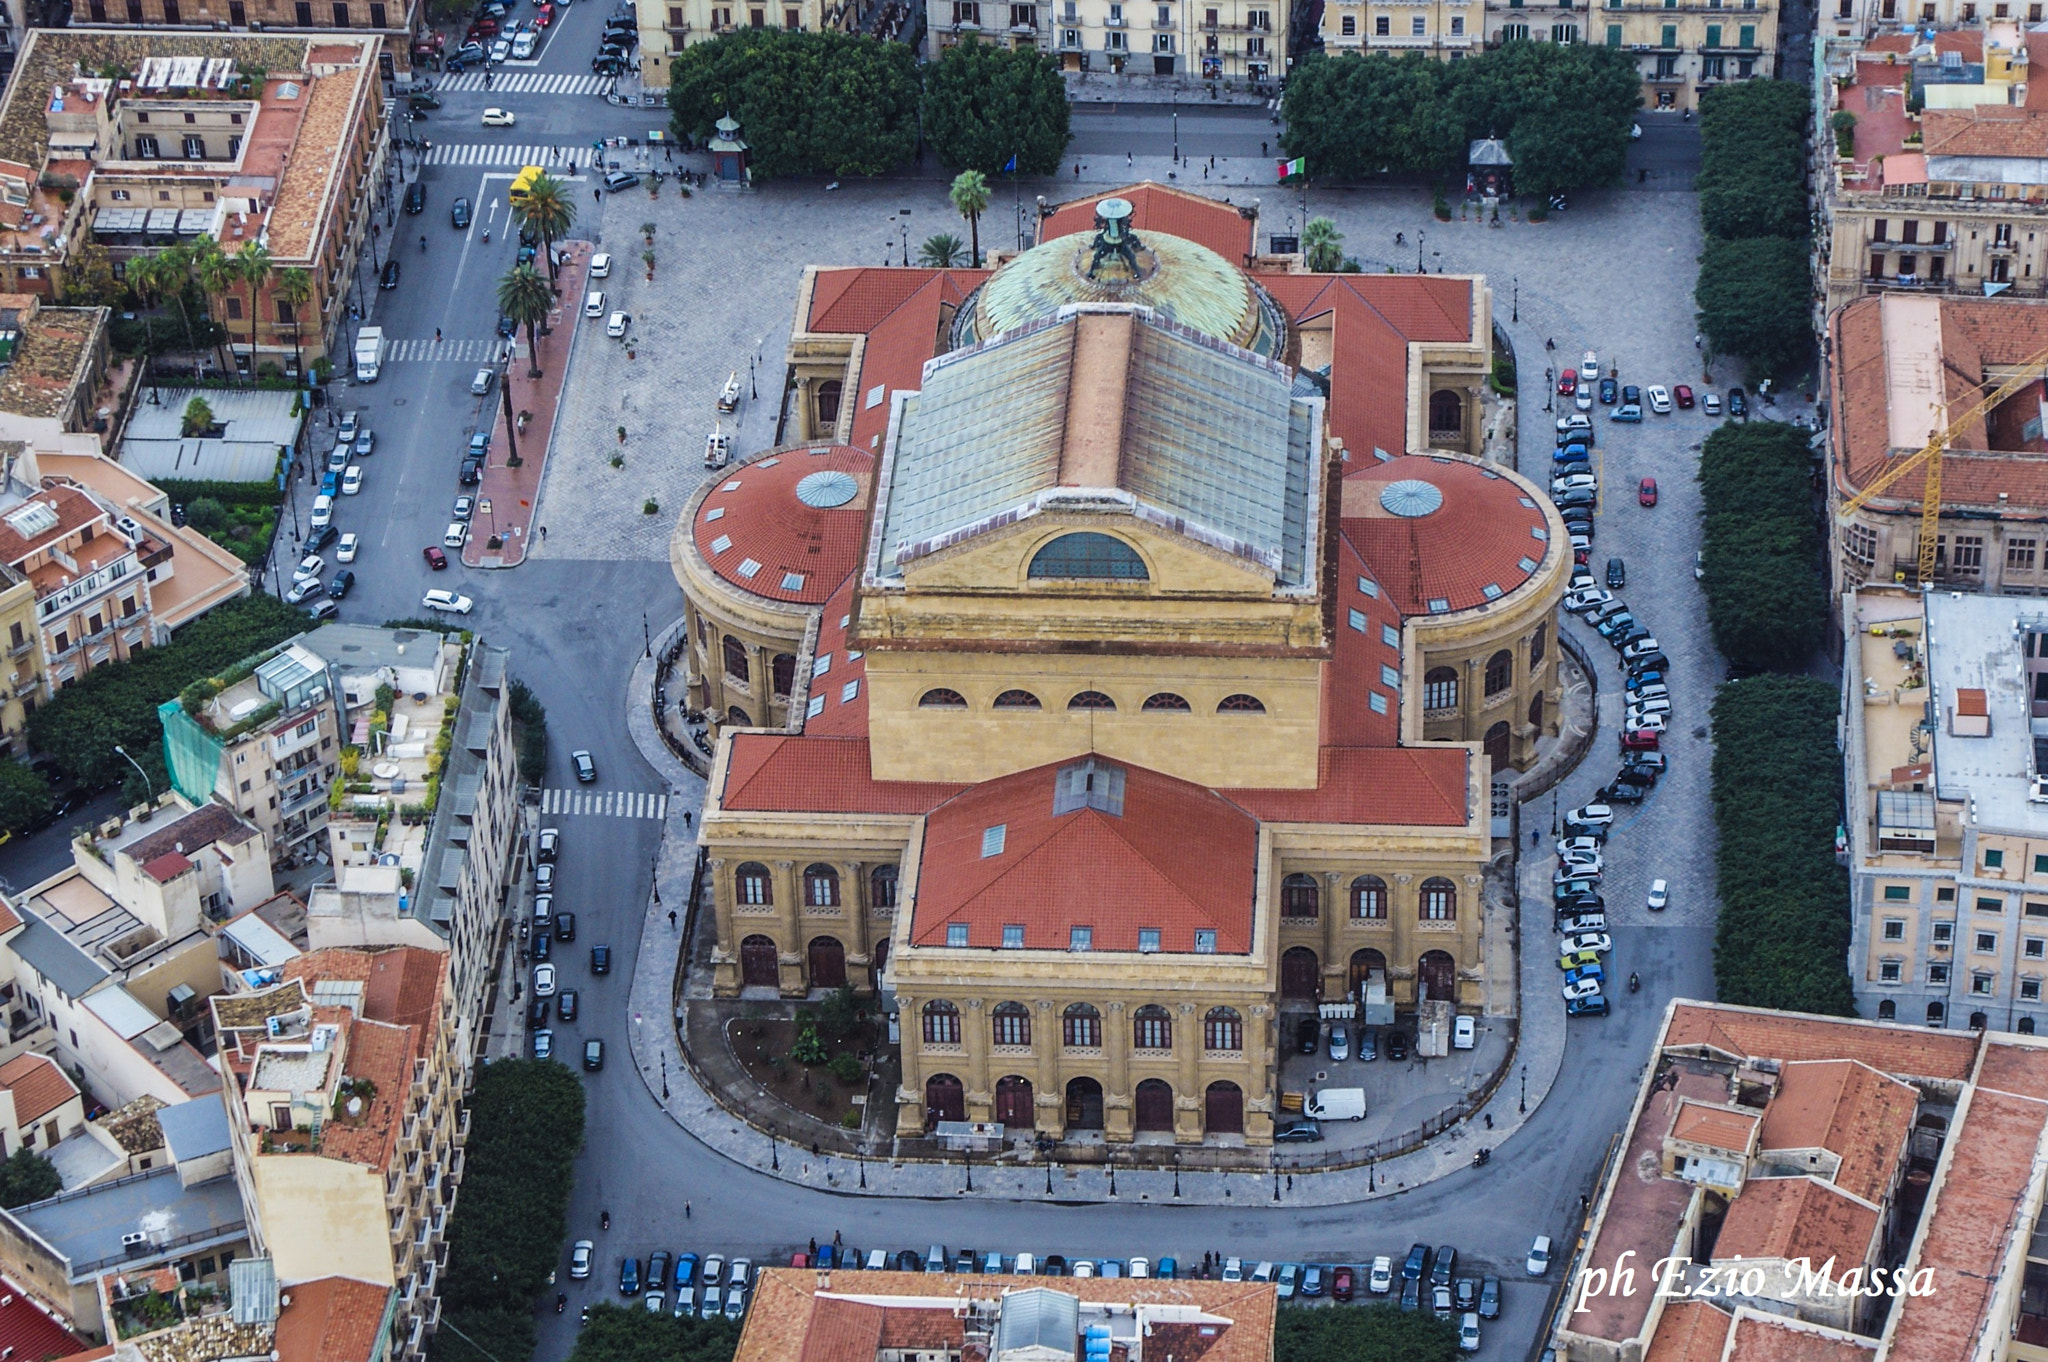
<point>1568,382</point>
<point>1647,493</point>
<point>436,559</point>
<point>1639,740</point>
<point>1342,1282</point>
<point>1682,395</point>
<point>544,16</point>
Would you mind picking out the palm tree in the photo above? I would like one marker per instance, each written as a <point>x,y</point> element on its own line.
<point>252,262</point>
<point>941,252</point>
<point>549,210</point>
<point>217,275</point>
<point>1322,246</point>
<point>970,196</point>
<point>525,297</point>
<point>295,287</point>
<point>168,273</point>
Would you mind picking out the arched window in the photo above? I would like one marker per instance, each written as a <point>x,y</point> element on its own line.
<point>942,697</point>
<point>1223,1029</point>
<point>1017,699</point>
<point>1446,411</point>
<point>2026,1026</point>
<point>821,886</point>
<point>738,717</point>
<point>1538,641</point>
<point>1978,1021</point>
<point>1166,702</point>
<point>1081,1026</point>
<point>1887,1010</point>
<point>1439,900</point>
<point>1091,556</point>
<point>1937,1012</point>
<point>783,671</point>
<point>1241,704</point>
<point>1152,1028</point>
<point>1299,896</point>
<point>828,402</point>
<point>882,887</point>
<point>736,659</point>
<point>941,1023</point>
<point>1091,699</point>
<point>1012,1022</point>
<point>750,884</point>
<point>1369,898</point>
<point>1440,688</point>
<point>1500,672</point>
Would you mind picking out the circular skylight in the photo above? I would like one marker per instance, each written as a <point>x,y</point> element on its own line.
<point>1411,498</point>
<point>832,488</point>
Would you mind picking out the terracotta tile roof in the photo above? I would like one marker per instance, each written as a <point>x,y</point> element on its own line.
<point>38,1085</point>
<point>1489,535</point>
<point>1795,1218</point>
<point>333,1319</point>
<point>1370,785</point>
<point>840,692</point>
<point>204,826</point>
<point>906,1328</point>
<point>1767,1338</point>
<point>1747,1033</point>
<point>893,357</point>
<point>1994,130</point>
<point>167,867</point>
<point>854,301</point>
<point>1689,1331</point>
<point>307,190</point>
<point>9,919</point>
<point>382,1054</point>
<point>844,1331</point>
<point>1156,208</point>
<point>1849,1108</point>
<point>29,1333</point>
<point>74,511</point>
<point>405,989</point>
<point>1358,656</point>
<point>1699,1123</point>
<point>759,535</point>
<point>778,773</point>
<point>1179,858</point>
<point>52,362</point>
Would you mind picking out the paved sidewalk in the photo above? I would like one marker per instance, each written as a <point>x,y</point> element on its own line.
<point>670,1079</point>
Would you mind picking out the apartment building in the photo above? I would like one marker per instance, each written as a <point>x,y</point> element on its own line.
<point>247,139</point>
<point>1444,29</point>
<point>1226,40</point>
<point>668,26</point>
<point>342,1093</point>
<point>1774,1142</point>
<point>1683,48</point>
<point>396,24</point>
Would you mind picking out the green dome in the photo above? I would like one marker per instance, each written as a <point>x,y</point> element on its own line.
<point>1179,280</point>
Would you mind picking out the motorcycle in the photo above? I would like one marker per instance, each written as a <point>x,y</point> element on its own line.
<point>604,1220</point>
<point>561,1301</point>
<point>1634,983</point>
<point>1480,1159</point>
<point>586,1315</point>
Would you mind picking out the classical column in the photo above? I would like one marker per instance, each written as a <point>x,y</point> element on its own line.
<point>1116,1102</point>
<point>1473,700</point>
<point>789,913</point>
<point>974,1034</point>
<point>1187,1102</point>
<point>853,901</point>
<point>1260,1060</point>
<point>1336,913</point>
<point>1048,1098</point>
<point>725,967</point>
<point>910,1091</point>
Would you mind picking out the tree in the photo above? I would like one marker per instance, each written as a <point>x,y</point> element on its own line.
<point>1353,118</point>
<point>1753,296</point>
<point>969,194</point>
<point>198,418</point>
<point>89,276</point>
<point>529,732</point>
<point>27,1176</point>
<point>942,251</point>
<point>252,263</point>
<point>526,298</point>
<point>549,210</point>
<point>216,274</point>
<point>1564,109</point>
<point>628,1334</point>
<point>1322,246</point>
<point>985,104</point>
<point>24,797</point>
<point>295,288</point>
<point>1761,548</point>
<point>807,103</point>
<point>1752,179</point>
<point>1362,1333</point>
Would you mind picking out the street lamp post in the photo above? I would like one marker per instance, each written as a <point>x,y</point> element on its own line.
<point>1112,1172</point>
<point>1523,1105</point>
<point>1516,312</point>
<point>774,1154</point>
<point>968,1156</point>
<point>646,634</point>
<point>1276,1175</point>
<point>1418,251</point>
<point>1048,1177</point>
<point>1176,1173</point>
<point>138,765</point>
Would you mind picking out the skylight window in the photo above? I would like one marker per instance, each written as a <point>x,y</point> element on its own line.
<point>822,665</point>
<point>721,544</point>
<point>1080,938</point>
<point>792,581</point>
<point>1439,606</point>
<point>749,568</point>
<point>956,934</point>
<point>1013,936</point>
<point>992,839</point>
<point>848,692</point>
<point>1368,587</point>
<point>715,513</point>
<point>1148,940</point>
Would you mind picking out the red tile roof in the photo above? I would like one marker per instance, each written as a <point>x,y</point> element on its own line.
<point>405,987</point>
<point>1767,1338</point>
<point>762,524</point>
<point>1689,1331</point>
<point>1848,1108</point>
<point>1747,1033</point>
<point>844,1331</point>
<point>839,693</point>
<point>28,1333</point>
<point>333,1319</point>
<point>1994,130</point>
<point>852,301</point>
<point>38,1085</point>
<point>1179,858</point>
<point>1156,208</point>
<point>74,509</point>
<point>779,773</point>
<point>1371,785</point>
<point>166,867</point>
<point>1488,533</point>
<point>1359,654</point>
<point>1796,1218</point>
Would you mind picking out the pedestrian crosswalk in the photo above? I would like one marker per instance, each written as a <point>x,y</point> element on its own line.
<point>460,351</point>
<point>603,803</point>
<point>558,159</point>
<point>528,83</point>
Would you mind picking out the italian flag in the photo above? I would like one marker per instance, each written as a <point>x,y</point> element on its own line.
<point>1297,166</point>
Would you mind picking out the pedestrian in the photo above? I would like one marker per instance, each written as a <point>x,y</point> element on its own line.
<point>1212,163</point>
<point>1127,159</point>
<point>597,194</point>
<point>1535,836</point>
<point>1549,344</point>
<point>437,335</point>
<point>1205,172</point>
<point>671,917</point>
<point>1696,338</point>
<point>1262,149</point>
<point>543,532</point>
<point>1489,1120</point>
<point>836,1241</point>
<point>814,1154</point>
<point>686,1210</point>
<point>814,1248</point>
<point>687,817</point>
<point>1290,1182</point>
<point>1077,170</point>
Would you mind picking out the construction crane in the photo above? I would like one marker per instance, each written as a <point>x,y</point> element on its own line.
<point>1930,458</point>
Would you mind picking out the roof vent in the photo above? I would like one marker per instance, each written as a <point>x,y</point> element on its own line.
<point>825,490</point>
<point>1089,784</point>
<point>1411,498</point>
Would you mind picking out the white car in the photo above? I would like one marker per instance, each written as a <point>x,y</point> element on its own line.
<point>543,981</point>
<point>447,602</point>
<point>601,265</point>
<point>1591,815</point>
<point>1233,1269</point>
<point>309,569</point>
<point>1659,399</point>
<point>501,50</point>
<point>1573,482</point>
<point>1580,988</point>
<point>345,551</point>
<point>323,512</point>
<point>523,45</point>
<point>352,480</point>
<point>1586,598</point>
<point>455,536</point>
<point>1539,1256</point>
<point>1583,398</point>
<point>1589,369</point>
<point>616,326</point>
<point>1141,1267</point>
<point>1468,1332</point>
<point>579,1259</point>
<point>1587,941</point>
<point>498,118</point>
<point>1650,704</point>
<point>1660,895</point>
<point>1573,846</point>
<point>1710,403</point>
<point>1645,723</point>
<point>1582,863</point>
<point>302,590</point>
<point>1381,1279</point>
<point>1464,1033</point>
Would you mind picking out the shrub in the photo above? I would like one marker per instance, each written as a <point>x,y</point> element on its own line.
<point>847,1069</point>
<point>206,514</point>
<point>1363,1333</point>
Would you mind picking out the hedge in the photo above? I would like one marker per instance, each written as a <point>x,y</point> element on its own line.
<point>1755,286</point>
<point>1766,595</point>
<point>1783,936</point>
<point>1363,1333</point>
<point>629,1333</point>
<point>184,491</point>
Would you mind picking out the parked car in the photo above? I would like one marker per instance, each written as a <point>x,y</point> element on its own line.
<point>1468,1333</point>
<point>1617,574</point>
<point>1660,895</point>
<point>436,559</point>
<point>1464,1033</point>
<point>548,845</point>
<point>1313,1279</point>
<point>543,1045</point>
<point>1738,403</point>
<point>1343,1282</point>
<point>1682,395</point>
<point>1397,1045</point>
<point>1568,383</point>
<point>1289,1281</point>
<point>1710,403</point>
<point>1340,1044</point>
<point>1577,989</point>
<point>1660,400</point>
<point>1381,1279</point>
<point>1308,1035</point>
<point>629,1277</point>
<point>1608,391</point>
<point>388,278</point>
<point>1416,1263</point>
<point>1594,1005</point>
<point>1539,1256</point>
<point>544,981</point>
<point>1646,492</point>
<point>579,1259</point>
<point>1299,1132</point>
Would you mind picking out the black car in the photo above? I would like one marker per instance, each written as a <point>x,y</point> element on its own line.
<point>1446,1259</point>
<point>1397,1045</point>
<point>1417,1263</point>
<point>908,1260</point>
<point>1648,662</point>
<point>1738,402</point>
<point>1308,1036</point>
<point>593,1055</point>
<point>1645,761</point>
<point>543,946</point>
<point>472,472</point>
<point>600,959</point>
<point>1642,777</point>
<point>1617,574</point>
<point>389,279</point>
<point>657,1270</point>
<point>565,1004</point>
<point>416,197</point>
<point>343,582</point>
<point>1298,1132</point>
<point>507,327</point>
<point>586,769</point>
<point>565,926</point>
<point>607,66</point>
<point>537,1012</point>
<point>1055,1265</point>
<point>1489,1298</point>
<point>1580,903</point>
<point>629,1277</point>
<point>1608,390</point>
<point>965,1261</point>
<point>318,541</point>
<point>425,99</point>
<point>458,213</point>
<point>1465,1294</point>
<point>1621,794</point>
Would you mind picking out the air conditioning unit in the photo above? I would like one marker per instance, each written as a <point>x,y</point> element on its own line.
<point>136,1242</point>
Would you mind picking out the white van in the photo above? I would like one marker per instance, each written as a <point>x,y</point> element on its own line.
<point>593,305</point>
<point>1336,1104</point>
